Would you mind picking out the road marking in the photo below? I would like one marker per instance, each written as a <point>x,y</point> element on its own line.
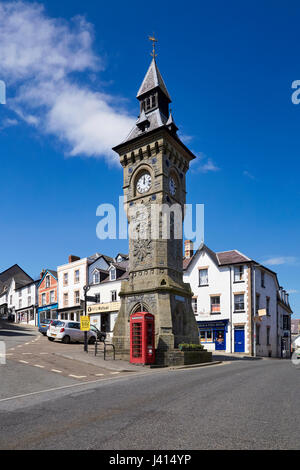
<point>45,354</point>
<point>100,381</point>
<point>24,362</point>
<point>20,345</point>
<point>27,343</point>
<point>55,370</point>
<point>78,376</point>
<point>37,365</point>
<point>99,375</point>
<point>114,373</point>
<point>11,349</point>
<point>27,354</point>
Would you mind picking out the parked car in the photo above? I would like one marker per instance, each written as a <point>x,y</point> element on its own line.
<point>69,332</point>
<point>44,325</point>
<point>101,335</point>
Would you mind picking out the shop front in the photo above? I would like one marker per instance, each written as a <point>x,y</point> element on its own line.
<point>213,334</point>
<point>26,315</point>
<point>47,312</point>
<point>104,316</point>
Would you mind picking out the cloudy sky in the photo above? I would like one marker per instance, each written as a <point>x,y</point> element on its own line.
<point>72,70</point>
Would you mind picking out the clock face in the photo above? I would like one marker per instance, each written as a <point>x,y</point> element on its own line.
<point>172,186</point>
<point>144,183</point>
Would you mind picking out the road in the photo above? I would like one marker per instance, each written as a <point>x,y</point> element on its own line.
<point>237,405</point>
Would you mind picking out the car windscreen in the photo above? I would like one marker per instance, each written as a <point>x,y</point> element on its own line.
<point>58,323</point>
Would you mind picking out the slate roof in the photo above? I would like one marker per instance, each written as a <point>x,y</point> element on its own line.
<point>231,257</point>
<point>155,118</point>
<point>14,272</point>
<point>152,80</point>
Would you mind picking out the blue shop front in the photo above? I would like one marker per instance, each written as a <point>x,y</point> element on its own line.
<point>213,334</point>
<point>47,312</point>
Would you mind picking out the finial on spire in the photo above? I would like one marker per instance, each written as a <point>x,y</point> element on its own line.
<point>154,40</point>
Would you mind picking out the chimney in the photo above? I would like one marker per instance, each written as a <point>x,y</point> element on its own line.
<point>188,249</point>
<point>42,273</point>
<point>73,258</point>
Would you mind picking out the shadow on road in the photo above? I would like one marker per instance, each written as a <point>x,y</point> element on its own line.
<point>228,357</point>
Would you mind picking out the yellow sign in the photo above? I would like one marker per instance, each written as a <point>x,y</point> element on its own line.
<point>85,323</point>
<point>104,308</point>
<point>262,312</point>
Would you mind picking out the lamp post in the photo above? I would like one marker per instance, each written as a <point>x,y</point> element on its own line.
<point>85,289</point>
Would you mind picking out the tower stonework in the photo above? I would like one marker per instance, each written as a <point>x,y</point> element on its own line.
<point>155,163</point>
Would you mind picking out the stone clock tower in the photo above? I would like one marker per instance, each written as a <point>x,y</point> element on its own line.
<point>155,162</point>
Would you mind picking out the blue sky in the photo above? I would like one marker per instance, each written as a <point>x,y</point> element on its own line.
<point>71,87</point>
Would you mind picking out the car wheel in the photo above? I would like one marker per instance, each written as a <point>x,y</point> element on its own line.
<point>50,339</point>
<point>92,340</point>
<point>66,339</point>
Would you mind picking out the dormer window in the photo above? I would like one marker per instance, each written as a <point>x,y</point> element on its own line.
<point>113,274</point>
<point>96,277</point>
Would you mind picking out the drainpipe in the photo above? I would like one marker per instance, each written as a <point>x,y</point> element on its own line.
<point>231,326</point>
<point>254,313</point>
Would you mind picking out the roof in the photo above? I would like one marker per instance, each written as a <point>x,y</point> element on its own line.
<point>152,80</point>
<point>231,257</point>
<point>14,272</point>
<point>155,119</point>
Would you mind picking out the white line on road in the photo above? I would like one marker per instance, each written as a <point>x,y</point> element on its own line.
<point>114,373</point>
<point>37,365</point>
<point>24,362</point>
<point>57,371</point>
<point>99,375</point>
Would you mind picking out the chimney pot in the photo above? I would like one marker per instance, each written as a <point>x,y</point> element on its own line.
<point>188,249</point>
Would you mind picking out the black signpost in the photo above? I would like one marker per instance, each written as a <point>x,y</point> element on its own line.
<point>86,299</point>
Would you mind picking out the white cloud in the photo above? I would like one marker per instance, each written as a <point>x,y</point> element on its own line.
<point>293,291</point>
<point>276,261</point>
<point>44,60</point>
<point>249,175</point>
<point>203,164</point>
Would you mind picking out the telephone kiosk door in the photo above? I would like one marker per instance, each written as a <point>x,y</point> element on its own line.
<point>142,339</point>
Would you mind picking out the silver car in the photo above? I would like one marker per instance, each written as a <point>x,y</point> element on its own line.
<point>69,332</point>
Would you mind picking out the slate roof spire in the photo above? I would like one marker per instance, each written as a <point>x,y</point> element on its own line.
<point>152,81</point>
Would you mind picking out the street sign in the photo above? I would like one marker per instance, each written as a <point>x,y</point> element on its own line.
<point>85,323</point>
<point>90,298</point>
<point>262,312</point>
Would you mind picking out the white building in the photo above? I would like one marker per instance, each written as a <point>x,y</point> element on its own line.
<point>72,278</point>
<point>236,301</point>
<point>18,296</point>
<point>105,277</point>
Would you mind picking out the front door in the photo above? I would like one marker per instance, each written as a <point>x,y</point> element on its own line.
<point>239,340</point>
<point>220,340</point>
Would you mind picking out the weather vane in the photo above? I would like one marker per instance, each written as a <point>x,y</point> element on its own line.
<point>154,40</point>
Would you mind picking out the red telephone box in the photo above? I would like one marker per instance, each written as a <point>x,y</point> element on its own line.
<point>142,347</point>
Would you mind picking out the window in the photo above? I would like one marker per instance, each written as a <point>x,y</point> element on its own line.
<point>203,277</point>
<point>66,300</point>
<point>65,279</point>
<point>29,300</point>
<point>20,293</point>
<point>257,334</point>
<point>52,297</point>
<point>47,281</point>
<point>286,322</point>
<point>268,305</point>
<point>113,274</point>
<point>215,306</point>
<point>206,336</point>
<point>257,304</point>
<point>29,290</point>
<point>96,277</point>
<point>43,299</point>
<point>97,298</point>
<point>10,299</point>
<point>238,273</point>
<point>20,303</point>
<point>194,305</point>
<point>77,276</point>
<point>262,279</point>
<point>113,295</point>
<point>239,303</point>
<point>77,297</point>
<point>268,336</point>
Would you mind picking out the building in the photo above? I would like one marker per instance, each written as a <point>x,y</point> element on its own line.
<point>238,303</point>
<point>105,277</point>
<point>25,308</point>
<point>295,330</point>
<point>11,280</point>
<point>47,295</point>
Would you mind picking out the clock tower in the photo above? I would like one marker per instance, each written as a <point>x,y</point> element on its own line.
<point>155,163</point>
